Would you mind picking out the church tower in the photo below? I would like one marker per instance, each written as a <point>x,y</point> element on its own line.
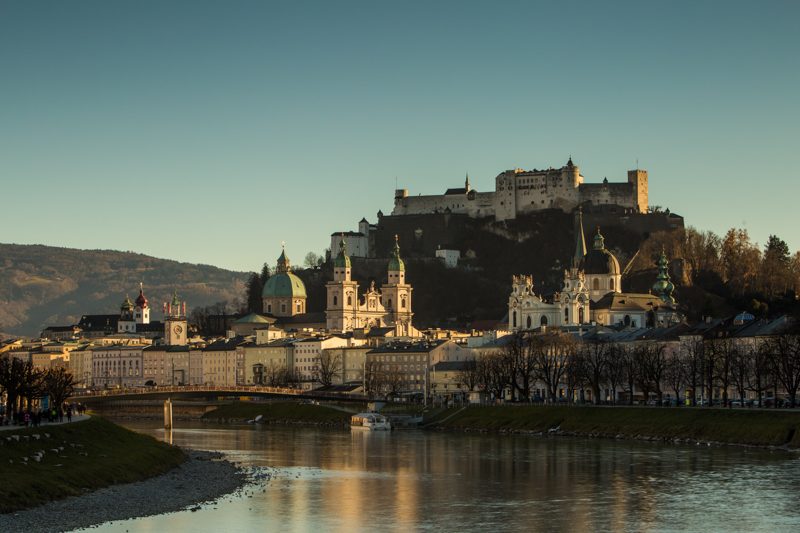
<point>142,309</point>
<point>175,324</point>
<point>573,300</point>
<point>342,301</point>
<point>396,294</point>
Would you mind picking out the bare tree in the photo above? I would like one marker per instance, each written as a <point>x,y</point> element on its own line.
<point>328,367</point>
<point>674,375</point>
<point>691,357</point>
<point>469,376</point>
<point>786,361</point>
<point>58,384</point>
<point>720,352</point>
<point>594,364</point>
<point>553,352</point>
<point>615,369</point>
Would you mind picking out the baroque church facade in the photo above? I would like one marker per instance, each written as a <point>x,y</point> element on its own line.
<point>390,306</point>
<point>592,293</point>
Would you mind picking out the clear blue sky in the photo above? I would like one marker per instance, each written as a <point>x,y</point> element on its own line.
<point>212,131</point>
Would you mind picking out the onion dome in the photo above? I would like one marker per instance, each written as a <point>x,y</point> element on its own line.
<point>342,259</point>
<point>127,305</point>
<point>599,260</point>
<point>395,263</point>
<point>141,301</point>
<point>663,287</point>
<point>284,284</point>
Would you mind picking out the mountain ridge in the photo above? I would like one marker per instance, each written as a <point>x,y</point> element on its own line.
<point>43,285</point>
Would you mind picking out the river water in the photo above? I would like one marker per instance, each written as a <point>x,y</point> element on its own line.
<point>333,480</point>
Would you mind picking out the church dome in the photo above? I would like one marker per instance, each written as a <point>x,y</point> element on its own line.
<point>127,305</point>
<point>141,301</point>
<point>599,260</point>
<point>284,284</point>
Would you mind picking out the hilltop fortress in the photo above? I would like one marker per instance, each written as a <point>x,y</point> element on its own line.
<point>523,191</point>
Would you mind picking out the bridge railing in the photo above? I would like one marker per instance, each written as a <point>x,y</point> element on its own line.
<point>243,389</point>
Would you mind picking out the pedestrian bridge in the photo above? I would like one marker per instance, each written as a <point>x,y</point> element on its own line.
<point>208,391</point>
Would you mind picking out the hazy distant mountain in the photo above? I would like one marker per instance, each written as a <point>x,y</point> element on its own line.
<point>44,285</point>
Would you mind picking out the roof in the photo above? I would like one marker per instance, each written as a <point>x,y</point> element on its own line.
<point>622,301</point>
<point>452,366</point>
<point>302,318</point>
<point>408,347</point>
<point>254,318</point>
<point>379,332</point>
<point>460,190</point>
<point>348,233</point>
<point>225,345</point>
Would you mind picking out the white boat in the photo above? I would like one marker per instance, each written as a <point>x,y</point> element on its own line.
<point>370,422</point>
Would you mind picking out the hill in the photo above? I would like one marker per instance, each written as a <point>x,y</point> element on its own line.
<point>44,285</point>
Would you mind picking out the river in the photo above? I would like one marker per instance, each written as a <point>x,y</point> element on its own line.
<point>331,481</point>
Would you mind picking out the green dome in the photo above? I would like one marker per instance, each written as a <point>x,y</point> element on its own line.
<point>284,285</point>
<point>342,260</point>
<point>395,263</point>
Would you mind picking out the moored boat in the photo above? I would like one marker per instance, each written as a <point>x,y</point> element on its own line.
<point>370,422</point>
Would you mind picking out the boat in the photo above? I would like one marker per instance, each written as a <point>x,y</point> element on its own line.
<point>370,422</point>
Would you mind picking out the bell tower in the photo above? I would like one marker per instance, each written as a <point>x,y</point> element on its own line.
<point>342,294</point>
<point>175,323</point>
<point>396,294</point>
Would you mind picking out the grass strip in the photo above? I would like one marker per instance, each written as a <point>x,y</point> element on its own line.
<point>733,426</point>
<point>78,458</point>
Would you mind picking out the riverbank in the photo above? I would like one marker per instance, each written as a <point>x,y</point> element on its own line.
<point>53,462</point>
<point>721,426</point>
<point>202,477</point>
<point>288,413</point>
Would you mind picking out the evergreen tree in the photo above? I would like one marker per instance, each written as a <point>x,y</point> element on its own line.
<point>254,288</point>
<point>266,272</point>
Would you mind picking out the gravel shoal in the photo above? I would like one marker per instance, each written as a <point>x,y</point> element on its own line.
<point>203,477</point>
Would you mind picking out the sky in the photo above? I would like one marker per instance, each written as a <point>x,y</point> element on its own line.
<point>210,132</point>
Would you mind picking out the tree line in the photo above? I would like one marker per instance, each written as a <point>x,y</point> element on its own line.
<point>23,383</point>
<point>555,367</point>
<point>731,265</point>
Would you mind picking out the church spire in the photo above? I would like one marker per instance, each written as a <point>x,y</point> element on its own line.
<point>663,287</point>
<point>396,264</point>
<point>283,261</point>
<point>467,187</point>
<point>580,240</point>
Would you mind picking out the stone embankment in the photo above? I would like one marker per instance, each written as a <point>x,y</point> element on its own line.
<point>203,477</point>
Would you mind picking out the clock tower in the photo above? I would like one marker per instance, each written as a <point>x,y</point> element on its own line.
<point>175,324</point>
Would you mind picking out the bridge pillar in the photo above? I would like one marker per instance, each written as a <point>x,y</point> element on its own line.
<point>168,414</point>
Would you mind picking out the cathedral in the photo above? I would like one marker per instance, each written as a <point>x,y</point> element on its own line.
<point>592,293</point>
<point>388,307</point>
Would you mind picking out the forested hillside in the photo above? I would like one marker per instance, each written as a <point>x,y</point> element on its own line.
<point>44,285</point>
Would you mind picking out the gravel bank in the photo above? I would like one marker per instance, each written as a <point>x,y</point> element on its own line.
<point>203,477</point>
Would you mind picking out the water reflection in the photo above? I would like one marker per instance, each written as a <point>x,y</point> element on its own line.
<point>361,481</point>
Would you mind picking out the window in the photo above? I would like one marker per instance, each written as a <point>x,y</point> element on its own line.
<point>580,315</point>
<point>283,308</point>
<point>514,319</point>
<point>335,300</point>
<point>611,284</point>
<point>543,321</point>
<point>566,314</point>
<point>269,308</point>
<point>529,322</point>
<point>596,284</point>
<point>390,304</point>
<point>349,300</point>
<point>403,303</point>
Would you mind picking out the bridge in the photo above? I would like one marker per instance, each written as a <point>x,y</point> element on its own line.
<point>209,391</point>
